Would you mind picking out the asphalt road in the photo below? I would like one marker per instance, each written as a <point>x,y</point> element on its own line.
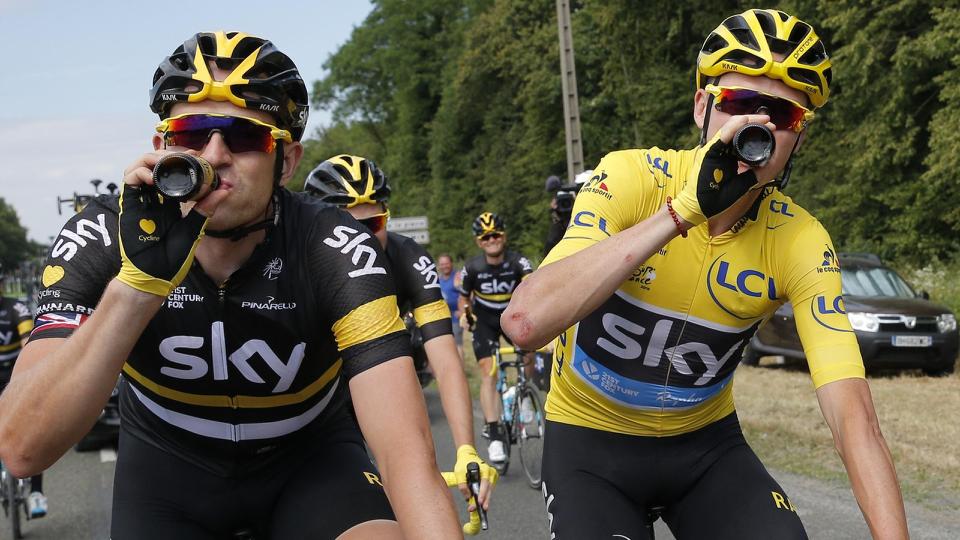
<point>829,512</point>
<point>79,487</point>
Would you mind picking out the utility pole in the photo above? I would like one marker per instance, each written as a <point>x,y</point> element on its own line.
<point>568,76</point>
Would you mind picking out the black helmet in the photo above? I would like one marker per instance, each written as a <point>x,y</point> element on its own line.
<point>487,223</point>
<point>260,78</point>
<point>347,181</point>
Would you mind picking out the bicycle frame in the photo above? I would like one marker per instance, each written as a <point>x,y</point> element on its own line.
<point>13,499</point>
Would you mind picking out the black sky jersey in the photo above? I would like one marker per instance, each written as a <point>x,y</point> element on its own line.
<point>232,370</point>
<point>493,285</point>
<point>418,285</point>
<point>15,322</point>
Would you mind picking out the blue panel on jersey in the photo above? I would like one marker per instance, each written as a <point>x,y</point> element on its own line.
<point>638,393</point>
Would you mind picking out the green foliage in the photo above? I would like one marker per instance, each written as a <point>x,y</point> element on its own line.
<point>14,245</point>
<point>460,102</point>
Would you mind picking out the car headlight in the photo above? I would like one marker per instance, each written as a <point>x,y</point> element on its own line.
<point>865,322</point>
<point>947,322</point>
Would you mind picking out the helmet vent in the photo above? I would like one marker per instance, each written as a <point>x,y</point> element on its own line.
<point>767,24</point>
<point>714,43</point>
<point>744,58</point>
<point>799,32</point>
<point>806,76</point>
<point>814,55</point>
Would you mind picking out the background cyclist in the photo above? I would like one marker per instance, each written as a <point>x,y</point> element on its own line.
<point>239,323</point>
<point>16,322</point>
<point>358,185</point>
<point>486,283</point>
<point>687,252</point>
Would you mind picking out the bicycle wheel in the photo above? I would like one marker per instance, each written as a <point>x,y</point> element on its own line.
<point>12,489</point>
<point>531,425</point>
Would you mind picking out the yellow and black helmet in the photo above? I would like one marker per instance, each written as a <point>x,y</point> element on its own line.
<point>347,181</point>
<point>260,77</point>
<point>746,43</point>
<point>487,223</point>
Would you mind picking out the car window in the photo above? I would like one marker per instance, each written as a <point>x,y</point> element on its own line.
<point>874,281</point>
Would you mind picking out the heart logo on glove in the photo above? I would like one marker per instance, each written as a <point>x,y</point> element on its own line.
<point>148,226</point>
<point>52,274</point>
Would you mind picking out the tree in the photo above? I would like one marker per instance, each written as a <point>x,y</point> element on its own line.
<point>14,245</point>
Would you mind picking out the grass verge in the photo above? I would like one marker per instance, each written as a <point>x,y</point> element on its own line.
<point>918,415</point>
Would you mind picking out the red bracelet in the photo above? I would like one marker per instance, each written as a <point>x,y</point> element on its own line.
<point>676,219</point>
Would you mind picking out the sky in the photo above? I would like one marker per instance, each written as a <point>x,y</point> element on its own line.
<point>74,93</point>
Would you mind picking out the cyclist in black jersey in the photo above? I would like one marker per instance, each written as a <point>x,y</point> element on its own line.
<point>672,260</point>
<point>239,324</point>
<point>486,283</point>
<point>16,322</point>
<point>359,186</point>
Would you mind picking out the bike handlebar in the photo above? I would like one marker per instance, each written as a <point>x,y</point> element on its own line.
<point>478,517</point>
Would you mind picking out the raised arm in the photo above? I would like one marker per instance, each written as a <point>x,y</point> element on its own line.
<point>60,385</point>
<point>609,236</point>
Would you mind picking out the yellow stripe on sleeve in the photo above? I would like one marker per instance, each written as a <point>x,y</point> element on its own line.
<point>434,311</point>
<point>367,322</point>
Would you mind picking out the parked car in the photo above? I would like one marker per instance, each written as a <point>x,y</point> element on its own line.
<point>896,327</point>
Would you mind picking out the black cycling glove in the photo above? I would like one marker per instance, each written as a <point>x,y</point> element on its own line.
<point>156,242</point>
<point>712,184</point>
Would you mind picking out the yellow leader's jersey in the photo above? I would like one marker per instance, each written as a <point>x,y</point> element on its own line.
<point>657,358</point>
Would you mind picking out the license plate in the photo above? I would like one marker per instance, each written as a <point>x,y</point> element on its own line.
<point>912,341</point>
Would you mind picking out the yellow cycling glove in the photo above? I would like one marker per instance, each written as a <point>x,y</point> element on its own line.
<point>466,454</point>
<point>712,184</point>
<point>156,242</point>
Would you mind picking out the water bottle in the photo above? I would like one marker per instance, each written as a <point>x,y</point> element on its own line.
<point>508,398</point>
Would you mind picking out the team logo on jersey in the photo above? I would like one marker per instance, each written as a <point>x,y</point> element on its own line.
<point>349,241</point>
<point>52,274</point>
<point>525,264</point>
<point>597,185</point>
<point>179,296</point>
<point>588,219</point>
<point>646,356</point>
<point>830,312</point>
<point>830,262</point>
<point>69,242</point>
<point>744,293</point>
<point>780,207</point>
<point>644,276</point>
<point>427,269</point>
<point>269,305</point>
<point>496,286</point>
<point>658,167</point>
<point>272,270</point>
<point>177,349</point>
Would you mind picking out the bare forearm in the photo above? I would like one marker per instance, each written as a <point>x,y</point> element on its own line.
<point>556,296</point>
<point>59,387</point>
<point>393,417</point>
<point>454,392</point>
<point>874,481</point>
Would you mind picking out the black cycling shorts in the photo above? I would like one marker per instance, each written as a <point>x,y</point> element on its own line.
<point>318,490</point>
<point>486,334</point>
<point>598,484</point>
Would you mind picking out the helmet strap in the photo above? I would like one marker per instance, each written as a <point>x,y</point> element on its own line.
<point>278,165</point>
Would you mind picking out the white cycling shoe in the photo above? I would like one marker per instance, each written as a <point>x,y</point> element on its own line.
<point>37,505</point>
<point>495,452</point>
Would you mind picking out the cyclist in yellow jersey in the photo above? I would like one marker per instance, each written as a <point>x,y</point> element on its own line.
<point>688,252</point>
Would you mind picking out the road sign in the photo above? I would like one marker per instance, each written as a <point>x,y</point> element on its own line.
<point>401,224</point>
<point>420,237</point>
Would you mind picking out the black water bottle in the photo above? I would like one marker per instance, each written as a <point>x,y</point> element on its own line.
<point>754,144</point>
<point>183,177</point>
